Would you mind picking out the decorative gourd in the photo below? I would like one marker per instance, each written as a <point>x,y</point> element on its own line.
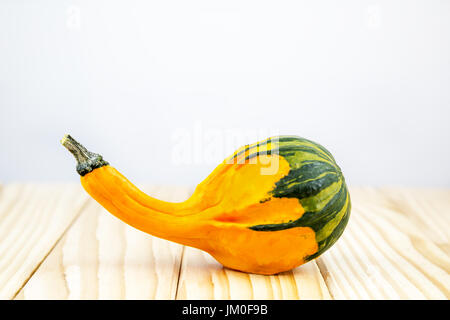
<point>268,208</point>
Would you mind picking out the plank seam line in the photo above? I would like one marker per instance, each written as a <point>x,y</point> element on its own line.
<point>85,204</point>
<point>179,272</point>
<point>181,259</point>
<point>324,277</point>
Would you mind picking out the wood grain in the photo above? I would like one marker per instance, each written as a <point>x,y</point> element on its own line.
<point>396,246</point>
<point>385,254</point>
<point>101,257</point>
<point>32,219</point>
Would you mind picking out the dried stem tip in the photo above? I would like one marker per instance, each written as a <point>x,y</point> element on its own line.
<point>86,161</point>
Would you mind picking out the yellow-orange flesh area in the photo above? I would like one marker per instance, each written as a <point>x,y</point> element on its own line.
<point>217,217</point>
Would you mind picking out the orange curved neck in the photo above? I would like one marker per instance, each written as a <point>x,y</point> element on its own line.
<point>162,219</point>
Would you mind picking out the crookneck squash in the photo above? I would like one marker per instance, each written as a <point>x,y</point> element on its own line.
<point>268,208</point>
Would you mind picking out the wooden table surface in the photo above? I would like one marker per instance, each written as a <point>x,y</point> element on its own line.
<point>57,243</point>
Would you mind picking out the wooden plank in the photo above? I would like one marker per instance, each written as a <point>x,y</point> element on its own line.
<point>32,219</point>
<point>101,257</point>
<point>384,254</point>
<point>388,251</point>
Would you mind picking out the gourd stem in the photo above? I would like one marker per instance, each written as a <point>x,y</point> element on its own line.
<point>80,153</point>
<point>86,161</point>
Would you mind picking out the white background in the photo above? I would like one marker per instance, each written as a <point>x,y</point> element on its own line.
<point>370,80</point>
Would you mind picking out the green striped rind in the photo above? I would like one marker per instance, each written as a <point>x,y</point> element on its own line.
<point>316,181</point>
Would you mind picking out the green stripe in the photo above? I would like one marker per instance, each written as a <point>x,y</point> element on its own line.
<point>283,141</point>
<point>303,140</point>
<point>306,181</point>
<point>316,181</point>
<point>249,146</point>
<point>333,237</point>
<point>314,220</point>
<point>290,151</point>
